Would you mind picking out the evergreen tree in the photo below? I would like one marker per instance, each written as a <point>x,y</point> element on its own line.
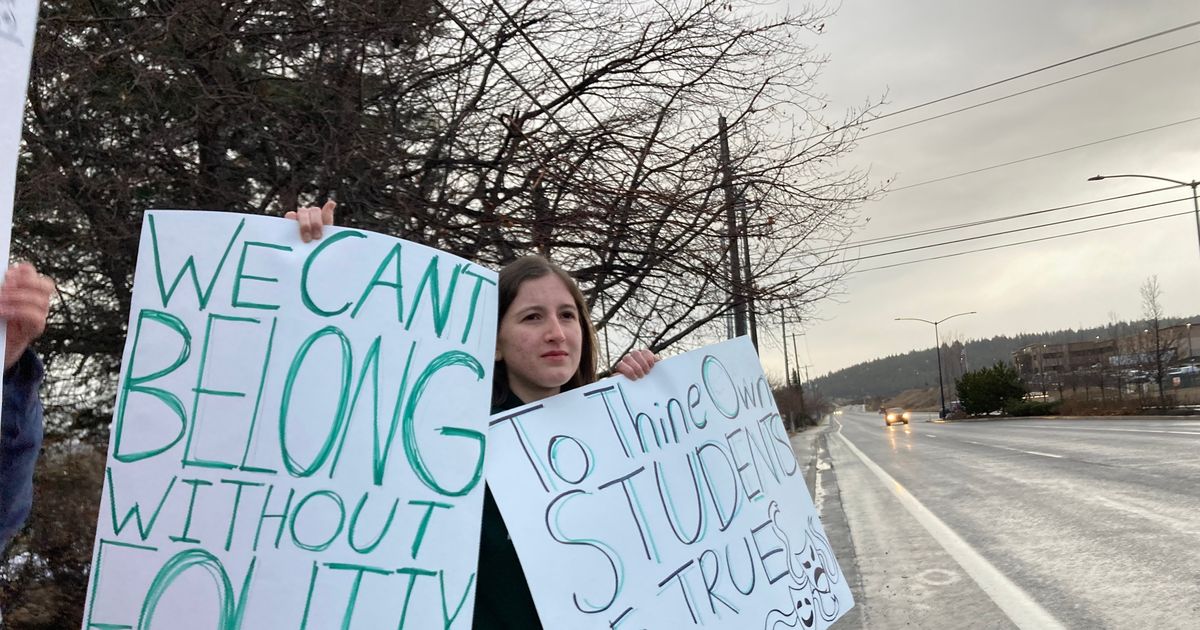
<point>989,389</point>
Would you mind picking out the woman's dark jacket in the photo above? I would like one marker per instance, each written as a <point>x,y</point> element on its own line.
<point>502,598</point>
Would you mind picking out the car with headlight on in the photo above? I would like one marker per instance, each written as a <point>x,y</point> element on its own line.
<point>897,415</point>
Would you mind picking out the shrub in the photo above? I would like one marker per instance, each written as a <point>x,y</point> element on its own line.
<point>44,574</point>
<point>1031,408</point>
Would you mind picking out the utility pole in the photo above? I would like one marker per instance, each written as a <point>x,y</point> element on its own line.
<point>790,418</point>
<point>747,281</point>
<point>735,267</point>
<point>787,371</point>
<point>799,382</point>
<point>797,353</point>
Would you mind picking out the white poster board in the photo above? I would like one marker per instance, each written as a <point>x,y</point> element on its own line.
<point>298,434</point>
<point>18,22</point>
<point>671,502</point>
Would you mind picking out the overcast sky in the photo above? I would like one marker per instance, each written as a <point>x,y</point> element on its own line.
<point>920,50</point>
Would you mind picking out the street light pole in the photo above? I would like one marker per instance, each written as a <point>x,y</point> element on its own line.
<point>937,347</point>
<point>1193,184</point>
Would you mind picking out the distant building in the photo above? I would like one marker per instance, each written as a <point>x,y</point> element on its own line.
<point>1045,364</point>
<point>1048,361</point>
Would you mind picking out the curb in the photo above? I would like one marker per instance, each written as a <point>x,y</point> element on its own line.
<point>1113,418</point>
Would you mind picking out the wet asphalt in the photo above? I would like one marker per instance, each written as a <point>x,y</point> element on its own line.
<point>1021,523</point>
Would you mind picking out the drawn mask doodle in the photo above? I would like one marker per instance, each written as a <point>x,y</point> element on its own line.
<point>812,568</point>
<point>820,571</point>
<point>800,614</point>
<point>822,588</point>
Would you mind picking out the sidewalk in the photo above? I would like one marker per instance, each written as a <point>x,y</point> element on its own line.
<point>805,446</point>
<point>812,451</point>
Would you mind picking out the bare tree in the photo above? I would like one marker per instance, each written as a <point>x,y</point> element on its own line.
<point>1159,347</point>
<point>584,130</point>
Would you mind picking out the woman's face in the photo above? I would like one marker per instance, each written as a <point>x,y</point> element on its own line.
<point>540,338</point>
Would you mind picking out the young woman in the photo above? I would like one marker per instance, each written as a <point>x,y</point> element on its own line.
<point>545,345</point>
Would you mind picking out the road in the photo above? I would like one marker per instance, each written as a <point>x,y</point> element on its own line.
<point>1022,523</point>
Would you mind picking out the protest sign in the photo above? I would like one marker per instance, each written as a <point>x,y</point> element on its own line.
<point>670,502</point>
<point>298,435</point>
<point>18,21</point>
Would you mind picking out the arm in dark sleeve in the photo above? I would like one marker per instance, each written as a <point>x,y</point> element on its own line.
<point>20,442</point>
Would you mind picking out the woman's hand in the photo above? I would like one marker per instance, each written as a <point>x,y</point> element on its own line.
<point>312,218</point>
<point>636,364</point>
<point>25,304</point>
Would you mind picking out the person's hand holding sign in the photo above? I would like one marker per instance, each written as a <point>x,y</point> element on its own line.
<point>25,305</point>
<point>636,364</point>
<point>312,219</point>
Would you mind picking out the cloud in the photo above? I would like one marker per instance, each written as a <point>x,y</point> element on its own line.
<point>918,51</point>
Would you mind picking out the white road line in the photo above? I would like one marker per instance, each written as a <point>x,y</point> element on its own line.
<point>1037,453</point>
<point>930,435</point>
<point>1015,450</point>
<point>1151,431</point>
<point>1028,426</point>
<point>1020,608</point>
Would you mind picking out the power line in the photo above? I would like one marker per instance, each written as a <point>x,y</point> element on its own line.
<point>1042,69</point>
<point>1042,155</point>
<point>828,263</point>
<point>1011,78</point>
<point>524,90</point>
<point>1016,230</point>
<point>959,226</point>
<point>487,51</point>
<point>550,116</point>
<point>546,60</point>
<point>1026,242</point>
<point>1027,91</point>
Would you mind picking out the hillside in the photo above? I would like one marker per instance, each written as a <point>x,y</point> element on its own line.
<point>924,399</point>
<point>889,376</point>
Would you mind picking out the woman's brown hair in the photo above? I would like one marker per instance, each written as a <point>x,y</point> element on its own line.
<point>512,276</point>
